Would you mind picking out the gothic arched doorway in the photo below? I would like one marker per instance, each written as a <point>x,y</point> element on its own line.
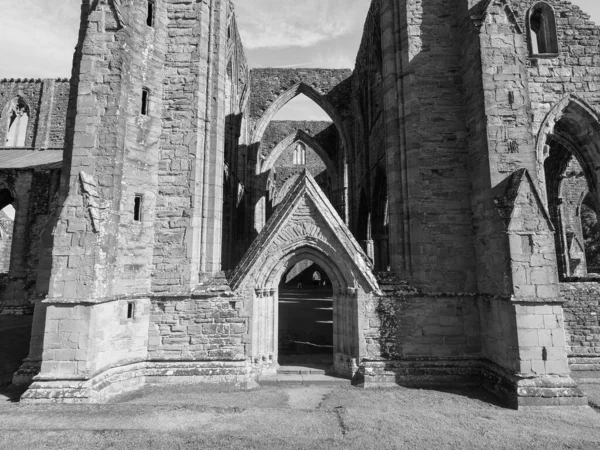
<point>306,227</point>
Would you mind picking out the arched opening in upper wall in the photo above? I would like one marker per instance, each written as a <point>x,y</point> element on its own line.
<point>569,152</point>
<point>543,37</point>
<point>15,123</point>
<point>311,99</point>
<point>302,108</point>
<point>285,98</point>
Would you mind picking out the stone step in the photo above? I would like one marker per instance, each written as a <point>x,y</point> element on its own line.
<point>302,370</point>
<point>290,379</point>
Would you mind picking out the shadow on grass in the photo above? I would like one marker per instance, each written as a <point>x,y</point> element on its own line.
<point>11,393</point>
<point>473,392</point>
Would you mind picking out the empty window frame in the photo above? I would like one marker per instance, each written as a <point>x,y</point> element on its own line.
<point>17,121</point>
<point>543,36</point>
<point>150,17</point>
<point>145,102</point>
<point>299,154</point>
<point>138,204</point>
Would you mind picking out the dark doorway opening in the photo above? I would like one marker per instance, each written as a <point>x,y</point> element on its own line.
<point>306,317</point>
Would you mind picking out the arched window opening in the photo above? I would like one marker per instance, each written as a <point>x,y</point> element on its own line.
<point>301,108</point>
<point>300,154</point>
<point>570,155</point>
<point>542,30</point>
<point>305,316</point>
<point>7,222</point>
<point>295,157</point>
<point>17,122</point>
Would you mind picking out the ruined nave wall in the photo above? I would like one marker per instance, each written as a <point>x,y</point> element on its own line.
<point>582,324</point>
<point>48,103</point>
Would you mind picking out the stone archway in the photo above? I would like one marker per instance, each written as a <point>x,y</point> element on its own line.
<point>306,226</point>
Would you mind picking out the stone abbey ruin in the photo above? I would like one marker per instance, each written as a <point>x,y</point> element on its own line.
<point>158,205</point>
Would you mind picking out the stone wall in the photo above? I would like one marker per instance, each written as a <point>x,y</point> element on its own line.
<point>410,327</point>
<point>268,85</point>
<point>197,329</point>
<point>47,101</point>
<point>576,69</point>
<point>85,340</point>
<point>582,324</point>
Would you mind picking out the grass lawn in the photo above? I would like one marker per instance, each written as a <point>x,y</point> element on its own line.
<point>187,417</point>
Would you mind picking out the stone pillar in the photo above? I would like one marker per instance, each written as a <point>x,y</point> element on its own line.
<point>214,151</point>
<point>42,139</point>
<point>394,101</point>
<point>264,331</point>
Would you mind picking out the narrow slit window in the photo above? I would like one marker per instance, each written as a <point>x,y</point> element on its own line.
<point>130,310</point>
<point>137,208</point>
<point>150,18</point>
<point>145,102</point>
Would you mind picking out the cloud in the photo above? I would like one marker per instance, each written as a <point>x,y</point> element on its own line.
<point>291,23</point>
<point>38,38</point>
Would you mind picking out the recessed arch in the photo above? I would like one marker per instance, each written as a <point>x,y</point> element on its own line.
<point>273,273</point>
<point>568,157</point>
<point>286,97</point>
<point>298,136</point>
<point>576,111</point>
<point>555,114</point>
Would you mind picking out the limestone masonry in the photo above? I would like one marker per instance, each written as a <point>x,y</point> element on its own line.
<point>451,201</point>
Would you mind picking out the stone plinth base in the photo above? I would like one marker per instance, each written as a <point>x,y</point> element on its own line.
<point>516,391</point>
<point>381,374</point>
<point>585,363</point>
<point>122,379</point>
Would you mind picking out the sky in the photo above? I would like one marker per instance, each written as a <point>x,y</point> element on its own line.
<point>38,37</point>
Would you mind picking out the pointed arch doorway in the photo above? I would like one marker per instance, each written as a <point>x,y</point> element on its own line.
<point>306,227</point>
